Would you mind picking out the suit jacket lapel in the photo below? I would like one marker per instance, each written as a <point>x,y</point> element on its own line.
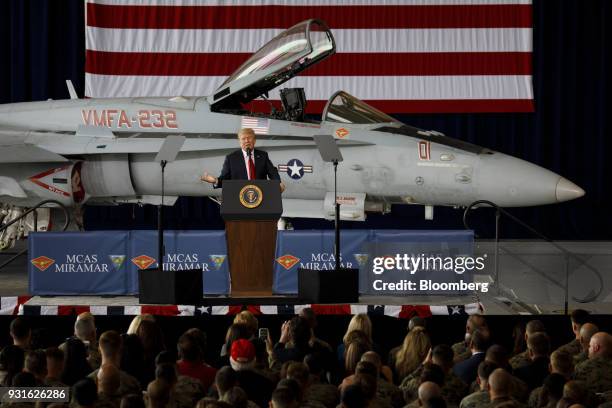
<point>241,166</point>
<point>258,162</point>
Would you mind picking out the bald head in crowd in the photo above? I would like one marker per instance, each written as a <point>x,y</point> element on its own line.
<point>109,379</point>
<point>587,331</point>
<point>534,326</point>
<point>575,391</point>
<point>600,346</point>
<point>500,384</point>
<point>158,394</point>
<point>85,327</point>
<point>538,344</point>
<point>497,354</point>
<point>562,363</point>
<point>372,357</point>
<point>428,390</point>
<point>110,344</point>
<point>485,369</point>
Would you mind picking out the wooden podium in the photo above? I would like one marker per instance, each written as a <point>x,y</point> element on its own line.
<point>251,209</point>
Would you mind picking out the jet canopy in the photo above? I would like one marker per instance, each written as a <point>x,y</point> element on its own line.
<point>289,53</point>
<point>345,108</point>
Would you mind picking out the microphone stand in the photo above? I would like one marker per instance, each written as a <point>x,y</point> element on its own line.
<point>337,218</point>
<point>160,218</point>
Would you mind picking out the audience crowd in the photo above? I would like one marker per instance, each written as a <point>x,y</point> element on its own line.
<point>135,369</point>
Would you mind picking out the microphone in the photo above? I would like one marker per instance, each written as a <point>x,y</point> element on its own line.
<point>248,151</point>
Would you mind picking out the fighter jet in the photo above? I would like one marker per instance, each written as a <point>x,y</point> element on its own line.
<point>101,151</point>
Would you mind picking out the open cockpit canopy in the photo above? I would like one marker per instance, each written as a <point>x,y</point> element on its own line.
<point>289,53</point>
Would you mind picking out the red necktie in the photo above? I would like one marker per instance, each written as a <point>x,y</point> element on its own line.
<point>251,168</point>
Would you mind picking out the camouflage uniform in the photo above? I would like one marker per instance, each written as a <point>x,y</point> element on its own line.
<point>498,401</point>
<point>410,384</point>
<point>389,392</point>
<point>520,360</point>
<point>596,373</point>
<point>379,403</point>
<point>475,400</point>
<point>413,404</point>
<point>454,389</point>
<point>311,404</point>
<point>519,390</point>
<point>580,357</point>
<point>187,392</point>
<point>572,348</point>
<point>326,394</point>
<point>461,351</point>
<point>534,397</point>
<point>129,384</point>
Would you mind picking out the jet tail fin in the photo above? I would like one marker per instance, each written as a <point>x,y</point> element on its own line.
<point>71,90</point>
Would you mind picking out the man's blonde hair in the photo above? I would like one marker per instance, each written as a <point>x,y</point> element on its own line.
<point>246,131</point>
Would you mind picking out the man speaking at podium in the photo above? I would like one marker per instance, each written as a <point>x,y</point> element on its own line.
<point>247,163</point>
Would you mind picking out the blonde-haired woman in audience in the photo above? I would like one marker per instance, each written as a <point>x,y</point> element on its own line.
<point>361,322</point>
<point>249,320</point>
<point>411,353</point>
<point>135,324</point>
<point>359,328</point>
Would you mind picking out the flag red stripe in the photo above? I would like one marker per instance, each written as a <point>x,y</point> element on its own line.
<point>71,310</point>
<point>424,106</point>
<point>392,64</point>
<point>337,17</point>
<point>167,310</point>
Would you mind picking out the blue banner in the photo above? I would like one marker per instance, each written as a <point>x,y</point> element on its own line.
<point>313,250</point>
<point>107,262</point>
<point>77,263</point>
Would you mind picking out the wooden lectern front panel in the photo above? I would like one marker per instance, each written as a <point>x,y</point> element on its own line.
<point>251,248</point>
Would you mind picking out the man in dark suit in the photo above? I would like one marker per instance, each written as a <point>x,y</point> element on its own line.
<point>467,370</point>
<point>247,163</point>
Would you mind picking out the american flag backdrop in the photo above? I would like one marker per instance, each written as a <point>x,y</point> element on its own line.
<point>401,56</point>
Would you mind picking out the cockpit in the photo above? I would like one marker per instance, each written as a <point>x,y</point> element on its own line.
<point>288,54</point>
<point>282,58</point>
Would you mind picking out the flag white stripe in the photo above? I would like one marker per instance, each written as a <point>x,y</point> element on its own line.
<point>347,40</point>
<point>439,310</point>
<point>298,308</point>
<point>98,310</point>
<point>356,309</point>
<point>321,88</point>
<point>131,310</point>
<point>186,310</point>
<point>392,310</point>
<point>7,305</point>
<point>304,2</point>
<point>268,310</point>
<point>49,310</point>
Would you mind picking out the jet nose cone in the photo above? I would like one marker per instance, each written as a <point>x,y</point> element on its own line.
<point>566,190</point>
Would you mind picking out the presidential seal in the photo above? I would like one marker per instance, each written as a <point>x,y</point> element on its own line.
<point>251,196</point>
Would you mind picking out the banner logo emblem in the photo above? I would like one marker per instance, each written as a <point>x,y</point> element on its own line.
<point>42,263</point>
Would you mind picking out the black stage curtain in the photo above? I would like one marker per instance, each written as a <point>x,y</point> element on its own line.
<point>43,44</point>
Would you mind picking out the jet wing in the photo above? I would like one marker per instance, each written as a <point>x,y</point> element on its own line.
<point>27,153</point>
<point>10,187</point>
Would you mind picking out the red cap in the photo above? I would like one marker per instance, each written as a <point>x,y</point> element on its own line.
<point>242,351</point>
